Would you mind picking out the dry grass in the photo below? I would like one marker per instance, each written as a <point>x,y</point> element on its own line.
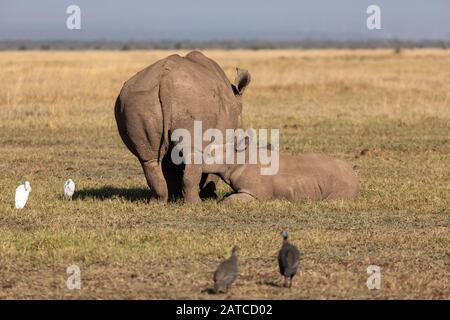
<point>56,122</point>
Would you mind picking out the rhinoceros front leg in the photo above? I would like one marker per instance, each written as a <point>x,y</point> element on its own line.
<point>191,183</point>
<point>238,197</point>
<point>155,179</point>
<point>208,186</point>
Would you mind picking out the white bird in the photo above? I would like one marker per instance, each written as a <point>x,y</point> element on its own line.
<point>69,189</point>
<point>22,193</point>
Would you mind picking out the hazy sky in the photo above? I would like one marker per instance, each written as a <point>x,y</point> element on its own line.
<point>229,19</point>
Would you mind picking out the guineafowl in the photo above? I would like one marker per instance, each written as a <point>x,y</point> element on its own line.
<point>288,259</point>
<point>226,273</point>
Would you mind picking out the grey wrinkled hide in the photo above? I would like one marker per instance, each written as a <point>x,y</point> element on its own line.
<point>168,95</point>
<point>300,177</point>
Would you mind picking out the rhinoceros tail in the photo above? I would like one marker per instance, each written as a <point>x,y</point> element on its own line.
<point>165,101</point>
<point>166,91</point>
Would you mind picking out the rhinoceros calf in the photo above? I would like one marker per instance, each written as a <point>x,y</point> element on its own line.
<point>300,177</point>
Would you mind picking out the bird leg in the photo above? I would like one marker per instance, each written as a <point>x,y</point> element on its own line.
<point>285,284</point>
<point>290,283</point>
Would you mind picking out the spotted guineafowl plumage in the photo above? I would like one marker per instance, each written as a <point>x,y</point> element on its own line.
<point>226,273</point>
<point>288,260</point>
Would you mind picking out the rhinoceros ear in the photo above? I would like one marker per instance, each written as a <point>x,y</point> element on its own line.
<point>242,81</point>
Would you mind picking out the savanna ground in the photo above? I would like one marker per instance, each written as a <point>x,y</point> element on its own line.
<point>57,122</point>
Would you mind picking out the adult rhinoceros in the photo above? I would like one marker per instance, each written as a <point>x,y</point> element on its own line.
<point>171,94</point>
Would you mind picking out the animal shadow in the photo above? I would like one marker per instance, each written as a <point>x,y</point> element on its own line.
<point>209,291</point>
<point>108,192</point>
<point>271,284</point>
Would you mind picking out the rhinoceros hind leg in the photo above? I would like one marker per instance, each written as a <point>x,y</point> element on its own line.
<point>191,183</point>
<point>155,179</point>
<point>238,197</point>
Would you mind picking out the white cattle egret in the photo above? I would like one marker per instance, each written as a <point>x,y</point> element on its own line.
<point>22,193</point>
<point>69,189</point>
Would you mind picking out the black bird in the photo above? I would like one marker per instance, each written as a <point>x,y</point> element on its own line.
<point>288,260</point>
<point>226,273</point>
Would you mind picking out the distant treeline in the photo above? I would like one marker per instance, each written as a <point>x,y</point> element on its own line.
<point>244,44</point>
